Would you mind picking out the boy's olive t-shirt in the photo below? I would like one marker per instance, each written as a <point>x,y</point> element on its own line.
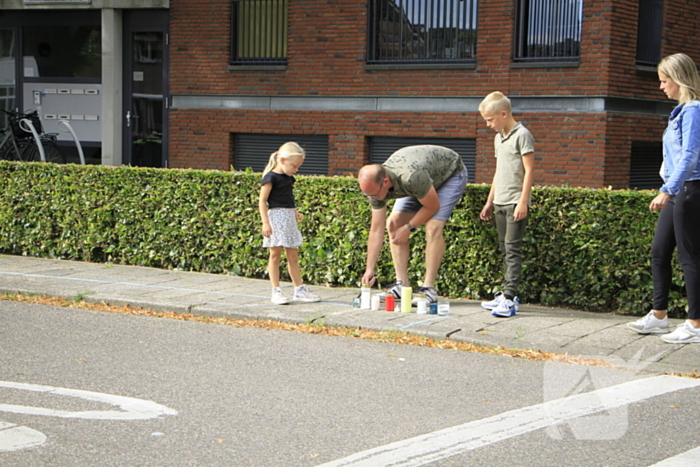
<point>510,171</point>
<point>414,169</point>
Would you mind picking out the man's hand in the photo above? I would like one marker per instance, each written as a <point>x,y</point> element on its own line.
<point>368,277</point>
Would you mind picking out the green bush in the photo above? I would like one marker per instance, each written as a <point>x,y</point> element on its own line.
<point>584,248</point>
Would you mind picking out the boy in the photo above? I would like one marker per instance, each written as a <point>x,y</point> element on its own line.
<point>509,198</point>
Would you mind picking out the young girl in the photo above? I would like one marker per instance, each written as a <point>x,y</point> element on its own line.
<point>279,219</point>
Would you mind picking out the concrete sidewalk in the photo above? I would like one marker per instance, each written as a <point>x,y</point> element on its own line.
<point>561,331</point>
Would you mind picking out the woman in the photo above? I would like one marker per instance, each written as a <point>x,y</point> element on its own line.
<point>679,202</point>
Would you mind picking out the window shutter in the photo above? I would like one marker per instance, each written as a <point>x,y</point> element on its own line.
<point>254,150</point>
<point>645,161</point>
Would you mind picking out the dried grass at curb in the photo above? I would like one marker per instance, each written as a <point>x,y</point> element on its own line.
<point>394,337</point>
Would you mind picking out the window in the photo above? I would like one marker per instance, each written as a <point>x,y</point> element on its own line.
<point>645,163</point>
<point>259,32</point>
<point>416,31</point>
<point>254,151</point>
<point>7,74</point>
<point>548,30</point>
<point>381,147</point>
<point>62,51</point>
<point>649,32</point>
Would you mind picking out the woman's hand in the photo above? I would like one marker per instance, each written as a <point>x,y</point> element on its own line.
<point>659,202</point>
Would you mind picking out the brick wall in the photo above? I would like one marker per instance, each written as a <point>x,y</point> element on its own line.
<point>326,57</point>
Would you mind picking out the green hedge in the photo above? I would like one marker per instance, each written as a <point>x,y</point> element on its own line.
<point>584,248</point>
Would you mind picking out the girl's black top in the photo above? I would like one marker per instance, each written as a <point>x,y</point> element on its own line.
<point>281,195</point>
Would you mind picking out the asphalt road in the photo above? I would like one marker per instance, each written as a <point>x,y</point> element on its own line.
<point>80,388</point>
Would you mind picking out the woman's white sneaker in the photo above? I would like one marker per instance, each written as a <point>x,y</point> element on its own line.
<point>685,333</point>
<point>650,324</point>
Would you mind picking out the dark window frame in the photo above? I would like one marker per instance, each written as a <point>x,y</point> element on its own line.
<point>395,34</point>
<point>559,33</point>
<point>649,29</point>
<point>270,52</point>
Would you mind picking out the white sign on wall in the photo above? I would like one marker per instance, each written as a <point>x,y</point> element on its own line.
<point>36,2</point>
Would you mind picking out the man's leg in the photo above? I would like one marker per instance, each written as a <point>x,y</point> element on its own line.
<point>400,253</point>
<point>434,250</point>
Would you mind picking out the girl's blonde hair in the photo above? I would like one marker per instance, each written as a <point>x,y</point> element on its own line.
<point>289,149</point>
<point>682,70</point>
<point>494,103</point>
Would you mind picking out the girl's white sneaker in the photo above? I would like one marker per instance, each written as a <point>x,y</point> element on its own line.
<point>278,297</point>
<point>303,294</point>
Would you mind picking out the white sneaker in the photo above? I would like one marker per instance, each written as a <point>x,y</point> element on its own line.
<point>650,324</point>
<point>506,308</point>
<point>497,299</point>
<point>431,295</point>
<point>303,294</point>
<point>685,333</point>
<point>278,297</point>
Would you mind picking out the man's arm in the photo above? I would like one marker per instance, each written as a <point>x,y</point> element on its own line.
<point>375,240</point>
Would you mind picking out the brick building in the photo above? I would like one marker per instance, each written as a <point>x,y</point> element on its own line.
<point>593,107</point>
<point>353,80</point>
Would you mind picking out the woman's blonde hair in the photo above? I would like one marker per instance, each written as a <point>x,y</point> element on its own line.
<point>289,149</point>
<point>682,70</point>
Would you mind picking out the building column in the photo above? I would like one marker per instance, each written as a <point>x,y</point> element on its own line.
<point>112,87</point>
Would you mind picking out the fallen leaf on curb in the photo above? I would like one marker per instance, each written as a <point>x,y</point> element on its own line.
<point>395,337</point>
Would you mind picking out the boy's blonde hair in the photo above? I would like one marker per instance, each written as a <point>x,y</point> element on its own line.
<point>681,69</point>
<point>494,103</point>
<point>289,149</point>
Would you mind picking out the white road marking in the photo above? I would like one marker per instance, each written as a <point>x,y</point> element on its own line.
<point>449,442</point>
<point>14,438</point>
<point>687,459</point>
<point>132,409</point>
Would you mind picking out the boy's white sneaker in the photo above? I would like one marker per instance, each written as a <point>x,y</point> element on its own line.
<point>498,299</point>
<point>650,324</point>
<point>685,333</point>
<point>303,294</point>
<point>506,308</point>
<point>278,297</point>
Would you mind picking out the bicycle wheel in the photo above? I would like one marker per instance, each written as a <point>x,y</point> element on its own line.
<point>10,152</point>
<point>53,153</point>
<point>5,154</point>
<point>27,152</point>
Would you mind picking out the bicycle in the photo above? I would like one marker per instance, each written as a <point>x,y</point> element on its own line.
<point>19,143</point>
